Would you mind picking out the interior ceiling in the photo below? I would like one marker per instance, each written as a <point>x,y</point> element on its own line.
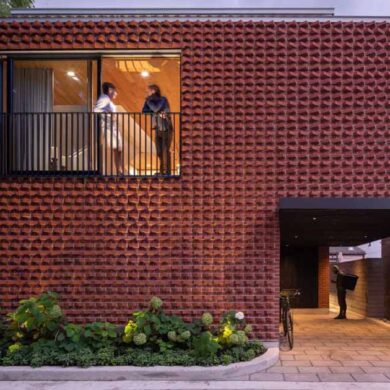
<point>333,221</point>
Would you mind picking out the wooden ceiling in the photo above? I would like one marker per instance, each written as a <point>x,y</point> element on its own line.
<point>124,73</point>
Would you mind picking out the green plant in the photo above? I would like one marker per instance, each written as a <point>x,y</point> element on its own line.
<point>233,329</point>
<point>35,318</point>
<point>70,339</point>
<point>36,334</point>
<point>160,330</point>
<point>7,5</point>
<point>155,303</point>
<point>100,334</point>
<point>94,336</point>
<point>207,319</point>
<point>205,345</point>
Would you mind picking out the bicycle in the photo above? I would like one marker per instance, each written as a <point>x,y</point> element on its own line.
<point>286,317</point>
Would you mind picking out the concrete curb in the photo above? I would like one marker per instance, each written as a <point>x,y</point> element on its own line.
<point>122,373</point>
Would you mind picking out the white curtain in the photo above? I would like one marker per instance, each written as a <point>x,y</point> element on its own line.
<point>33,93</point>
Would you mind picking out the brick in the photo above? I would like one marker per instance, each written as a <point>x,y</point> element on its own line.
<point>336,378</point>
<point>301,378</point>
<point>266,376</point>
<point>284,370</point>
<point>371,377</point>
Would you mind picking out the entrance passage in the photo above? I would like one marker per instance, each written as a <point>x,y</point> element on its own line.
<point>357,350</point>
<point>310,226</point>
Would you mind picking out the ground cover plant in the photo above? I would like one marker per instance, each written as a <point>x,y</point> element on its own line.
<point>38,334</point>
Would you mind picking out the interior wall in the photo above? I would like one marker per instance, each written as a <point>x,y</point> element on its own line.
<point>299,269</point>
<point>368,297</point>
<point>386,272</point>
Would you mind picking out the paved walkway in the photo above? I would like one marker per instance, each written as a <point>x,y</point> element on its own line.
<point>328,350</point>
<point>213,385</point>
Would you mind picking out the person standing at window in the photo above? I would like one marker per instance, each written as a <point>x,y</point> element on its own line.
<point>110,135</point>
<point>158,106</point>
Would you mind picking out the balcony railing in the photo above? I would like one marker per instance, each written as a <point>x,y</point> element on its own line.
<point>89,144</point>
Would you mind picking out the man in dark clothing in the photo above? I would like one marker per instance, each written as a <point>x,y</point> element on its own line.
<point>158,106</point>
<point>341,293</point>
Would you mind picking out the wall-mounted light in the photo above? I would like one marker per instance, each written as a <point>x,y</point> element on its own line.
<point>145,73</point>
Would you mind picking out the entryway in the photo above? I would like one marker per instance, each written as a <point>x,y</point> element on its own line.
<point>326,349</point>
<point>356,350</point>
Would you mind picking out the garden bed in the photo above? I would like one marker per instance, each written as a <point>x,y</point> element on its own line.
<point>235,371</point>
<point>38,334</point>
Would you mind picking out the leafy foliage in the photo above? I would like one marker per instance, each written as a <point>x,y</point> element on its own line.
<point>35,318</point>
<point>205,345</point>
<point>37,334</point>
<point>7,5</point>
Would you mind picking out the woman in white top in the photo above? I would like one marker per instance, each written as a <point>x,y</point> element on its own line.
<point>110,135</point>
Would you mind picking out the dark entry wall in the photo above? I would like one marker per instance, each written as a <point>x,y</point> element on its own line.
<point>299,269</point>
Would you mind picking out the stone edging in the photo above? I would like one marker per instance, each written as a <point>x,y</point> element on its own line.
<point>118,373</point>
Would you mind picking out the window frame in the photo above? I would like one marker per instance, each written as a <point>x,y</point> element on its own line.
<point>7,59</point>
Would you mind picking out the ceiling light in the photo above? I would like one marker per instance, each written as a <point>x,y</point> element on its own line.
<point>350,248</point>
<point>145,73</point>
<point>314,218</point>
<point>75,78</point>
<point>70,73</point>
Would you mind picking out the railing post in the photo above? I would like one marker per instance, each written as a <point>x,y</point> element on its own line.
<point>97,123</point>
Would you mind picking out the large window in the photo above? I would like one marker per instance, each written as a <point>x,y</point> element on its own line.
<point>53,126</point>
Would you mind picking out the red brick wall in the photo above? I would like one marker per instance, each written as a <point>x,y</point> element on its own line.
<point>269,110</point>
<point>323,277</point>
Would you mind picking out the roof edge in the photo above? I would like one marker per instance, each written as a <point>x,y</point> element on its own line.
<point>123,12</point>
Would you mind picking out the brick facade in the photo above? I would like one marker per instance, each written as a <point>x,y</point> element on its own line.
<point>270,109</point>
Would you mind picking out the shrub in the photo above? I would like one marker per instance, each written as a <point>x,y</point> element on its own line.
<point>35,318</point>
<point>160,331</point>
<point>205,345</point>
<point>37,334</point>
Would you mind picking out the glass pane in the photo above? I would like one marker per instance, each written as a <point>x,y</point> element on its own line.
<point>146,151</point>
<point>52,127</point>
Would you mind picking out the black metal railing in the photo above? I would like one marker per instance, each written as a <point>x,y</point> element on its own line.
<point>90,144</point>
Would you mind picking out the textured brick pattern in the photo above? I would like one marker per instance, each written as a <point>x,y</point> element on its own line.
<point>323,277</point>
<point>269,110</point>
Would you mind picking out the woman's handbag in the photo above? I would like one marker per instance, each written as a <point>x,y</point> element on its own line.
<point>162,123</point>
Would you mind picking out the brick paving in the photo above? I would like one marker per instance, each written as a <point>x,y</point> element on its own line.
<point>328,350</point>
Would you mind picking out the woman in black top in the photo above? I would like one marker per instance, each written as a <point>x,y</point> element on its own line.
<point>158,106</point>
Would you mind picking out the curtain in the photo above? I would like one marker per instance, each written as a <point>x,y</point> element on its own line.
<point>33,93</point>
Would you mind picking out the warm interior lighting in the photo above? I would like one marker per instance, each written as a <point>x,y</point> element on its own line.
<point>70,73</point>
<point>145,73</point>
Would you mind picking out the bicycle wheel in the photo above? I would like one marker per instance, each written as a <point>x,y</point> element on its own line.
<point>290,329</point>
